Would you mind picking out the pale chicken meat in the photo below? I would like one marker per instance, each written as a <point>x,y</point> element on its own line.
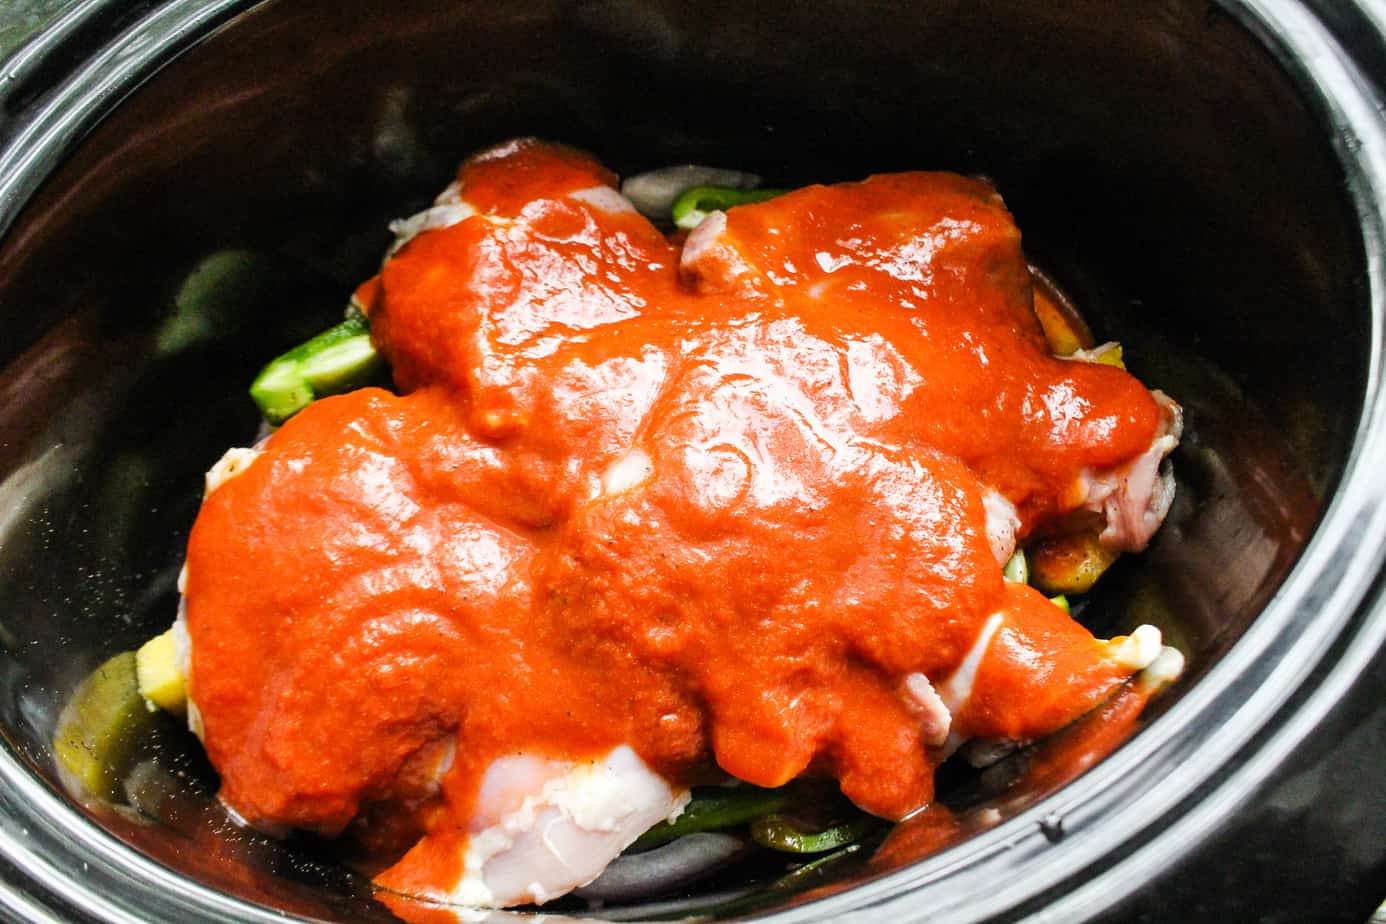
<point>1133,498</point>
<point>542,828</point>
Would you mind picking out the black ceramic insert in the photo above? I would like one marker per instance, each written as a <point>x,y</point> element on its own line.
<point>190,187</point>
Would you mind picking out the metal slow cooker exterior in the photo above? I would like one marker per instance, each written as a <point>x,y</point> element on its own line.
<point>1256,796</point>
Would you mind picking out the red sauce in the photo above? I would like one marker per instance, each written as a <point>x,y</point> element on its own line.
<point>716,517</point>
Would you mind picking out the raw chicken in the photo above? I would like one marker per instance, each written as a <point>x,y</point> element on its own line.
<point>542,828</point>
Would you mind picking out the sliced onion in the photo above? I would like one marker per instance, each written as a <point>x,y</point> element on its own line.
<point>654,191</point>
<point>664,869</point>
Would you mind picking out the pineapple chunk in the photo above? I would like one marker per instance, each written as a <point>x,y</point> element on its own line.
<point>1111,356</point>
<point>160,682</point>
<point>1108,354</point>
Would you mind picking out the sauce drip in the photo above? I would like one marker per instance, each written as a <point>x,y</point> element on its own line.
<point>714,502</point>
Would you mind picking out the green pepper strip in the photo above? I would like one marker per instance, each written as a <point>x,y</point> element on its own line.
<point>336,360</point>
<point>692,205</point>
<point>711,810</point>
<point>1061,602</point>
<point>780,832</point>
<point>804,876</point>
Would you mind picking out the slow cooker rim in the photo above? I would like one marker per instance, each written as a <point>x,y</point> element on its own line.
<point>1322,584</point>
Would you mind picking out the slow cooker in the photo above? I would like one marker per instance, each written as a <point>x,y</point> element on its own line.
<point>188,186</point>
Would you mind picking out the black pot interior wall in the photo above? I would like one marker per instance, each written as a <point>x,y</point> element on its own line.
<point>1161,164</point>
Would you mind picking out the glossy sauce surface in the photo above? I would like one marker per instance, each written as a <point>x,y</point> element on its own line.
<point>716,510</point>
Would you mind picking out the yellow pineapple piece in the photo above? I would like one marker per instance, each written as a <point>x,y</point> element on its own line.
<point>160,681</point>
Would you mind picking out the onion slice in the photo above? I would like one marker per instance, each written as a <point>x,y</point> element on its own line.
<point>654,191</point>
<point>664,869</point>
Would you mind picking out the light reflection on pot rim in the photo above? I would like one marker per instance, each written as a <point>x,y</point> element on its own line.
<point>1261,692</point>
